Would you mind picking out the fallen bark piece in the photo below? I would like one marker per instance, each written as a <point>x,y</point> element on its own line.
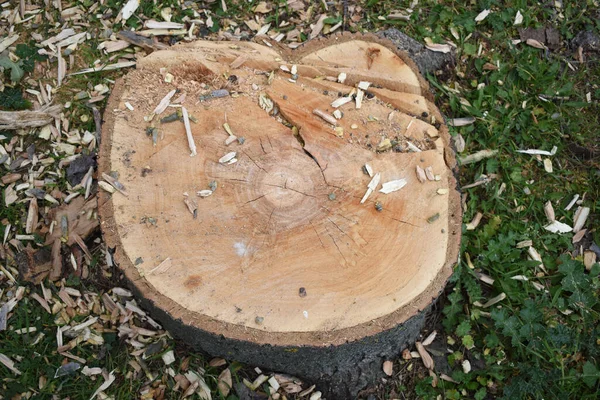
<point>10,120</point>
<point>288,204</point>
<point>141,41</point>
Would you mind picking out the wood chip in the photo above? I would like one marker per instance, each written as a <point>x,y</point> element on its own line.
<point>109,67</point>
<point>421,176</point>
<point>478,156</point>
<point>188,131</point>
<point>226,159</point>
<point>364,85</point>
<point>461,121</point>
<point>326,117</point>
<point>558,227</point>
<point>10,364</point>
<point>105,385</point>
<point>238,62</point>
<point>191,205</point>
<point>549,211</point>
<point>164,102</point>
<point>225,382</point>
<point>152,24</point>
<point>494,300</point>
<point>32,216</point>
<point>168,357</point>
<point>42,302</point>
<point>371,187</point>
<point>318,26</point>
<point>482,15</point>
<point>430,338</point>
<point>518,18</point>
<point>535,43</point>
<point>204,193</point>
<point>466,366</point>
<point>427,360</point>
<point>578,236</point>
<point>115,183</point>
<point>538,152</point>
<point>106,187</point>
<point>359,98</point>
<point>437,47</point>
<point>429,173</point>
<point>217,362</point>
<point>535,256</point>
<point>572,202</point>
<point>392,186</point>
<point>474,222</point>
<point>340,101</point>
<point>589,259</point>
<point>580,218</point>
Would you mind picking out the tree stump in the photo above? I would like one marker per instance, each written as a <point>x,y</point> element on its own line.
<point>273,255</point>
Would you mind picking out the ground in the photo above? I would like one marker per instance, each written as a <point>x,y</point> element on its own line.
<point>520,317</point>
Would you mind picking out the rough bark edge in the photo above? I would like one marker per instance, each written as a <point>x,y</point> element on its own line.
<point>241,336</point>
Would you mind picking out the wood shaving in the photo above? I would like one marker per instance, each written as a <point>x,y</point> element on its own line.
<point>392,186</point>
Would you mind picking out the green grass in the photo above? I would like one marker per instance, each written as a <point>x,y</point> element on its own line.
<point>535,343</point>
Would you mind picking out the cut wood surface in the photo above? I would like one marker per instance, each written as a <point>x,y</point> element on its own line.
<point>282,251</point>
